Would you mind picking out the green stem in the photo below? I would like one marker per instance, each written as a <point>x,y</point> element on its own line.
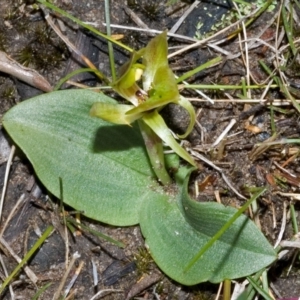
<point>294,219</point>
<point>155,152</point>
<point>109,44</point>
<point>227,289</point>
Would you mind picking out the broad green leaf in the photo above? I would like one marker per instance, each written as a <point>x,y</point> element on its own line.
<point>158,125</point>
<point>173,242</point>
<point>114,113</point>
<point>104,168</point>
<point>105,172</point>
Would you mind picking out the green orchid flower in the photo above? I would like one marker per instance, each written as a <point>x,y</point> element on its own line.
<point>158,88</point>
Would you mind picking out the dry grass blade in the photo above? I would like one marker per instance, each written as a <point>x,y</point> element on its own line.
<point>105,292</point>
<point>8,165</point>
<point>204,159</point>
<point>64,279</point>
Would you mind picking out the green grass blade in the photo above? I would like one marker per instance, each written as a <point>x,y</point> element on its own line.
<point>95,232</point>
<point>70,75</point>
<point>259,289</point>
<point>288,29</point>
<point>223,229</point>
<point>41,291</point>
<point>204,66</point>
<point>26,258</point>
<point>77,21</point>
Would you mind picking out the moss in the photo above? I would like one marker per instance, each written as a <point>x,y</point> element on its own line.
<point>151,10</point>
<point>8,93</point>
<point>143,261</point>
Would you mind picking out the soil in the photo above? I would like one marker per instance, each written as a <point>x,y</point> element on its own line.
<point>25,36</point>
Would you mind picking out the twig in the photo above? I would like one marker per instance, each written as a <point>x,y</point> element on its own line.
<point>290,244</point>
<point>95,273</point>
<point>12,212</point>
<point>224,133</point>
<point>103,293</point>
<point>183,17</point>
<point>153,32</point>
<point>134,18</point>
<point>207,161</point>
<point>30,76</point>
<point>275,102</point>
<point>244,52</point>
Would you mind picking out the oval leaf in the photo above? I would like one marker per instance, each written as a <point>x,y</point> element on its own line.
<point>103,167</point>
<point>173,242</point>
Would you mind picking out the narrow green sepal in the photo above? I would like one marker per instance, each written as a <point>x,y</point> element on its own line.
<point>188,106</point>
<point>114,113</point>
<point>157,124</point>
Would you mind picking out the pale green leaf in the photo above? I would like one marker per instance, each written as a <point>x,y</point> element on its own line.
<point>104,168</point>
<point>173,242</point>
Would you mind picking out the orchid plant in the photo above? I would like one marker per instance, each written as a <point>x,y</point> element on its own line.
<point>158,89</point>
<point>93,160</point>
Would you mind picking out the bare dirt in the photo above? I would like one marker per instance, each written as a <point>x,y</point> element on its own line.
<point>25,36</point>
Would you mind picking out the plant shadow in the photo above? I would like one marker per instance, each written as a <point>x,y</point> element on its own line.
<point>110,138</point>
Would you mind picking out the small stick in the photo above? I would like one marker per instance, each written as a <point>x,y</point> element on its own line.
<point>153,32</point>
<point>275,102</point>
<point>73,48</point>
<point>95,273</point>
<point>207,161</point>
<point>224,133</point>
<point>12,212</point>
<point>100,293</point>
<point>135,18</point>
<point>30,76</point>
<point>183,17</point>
